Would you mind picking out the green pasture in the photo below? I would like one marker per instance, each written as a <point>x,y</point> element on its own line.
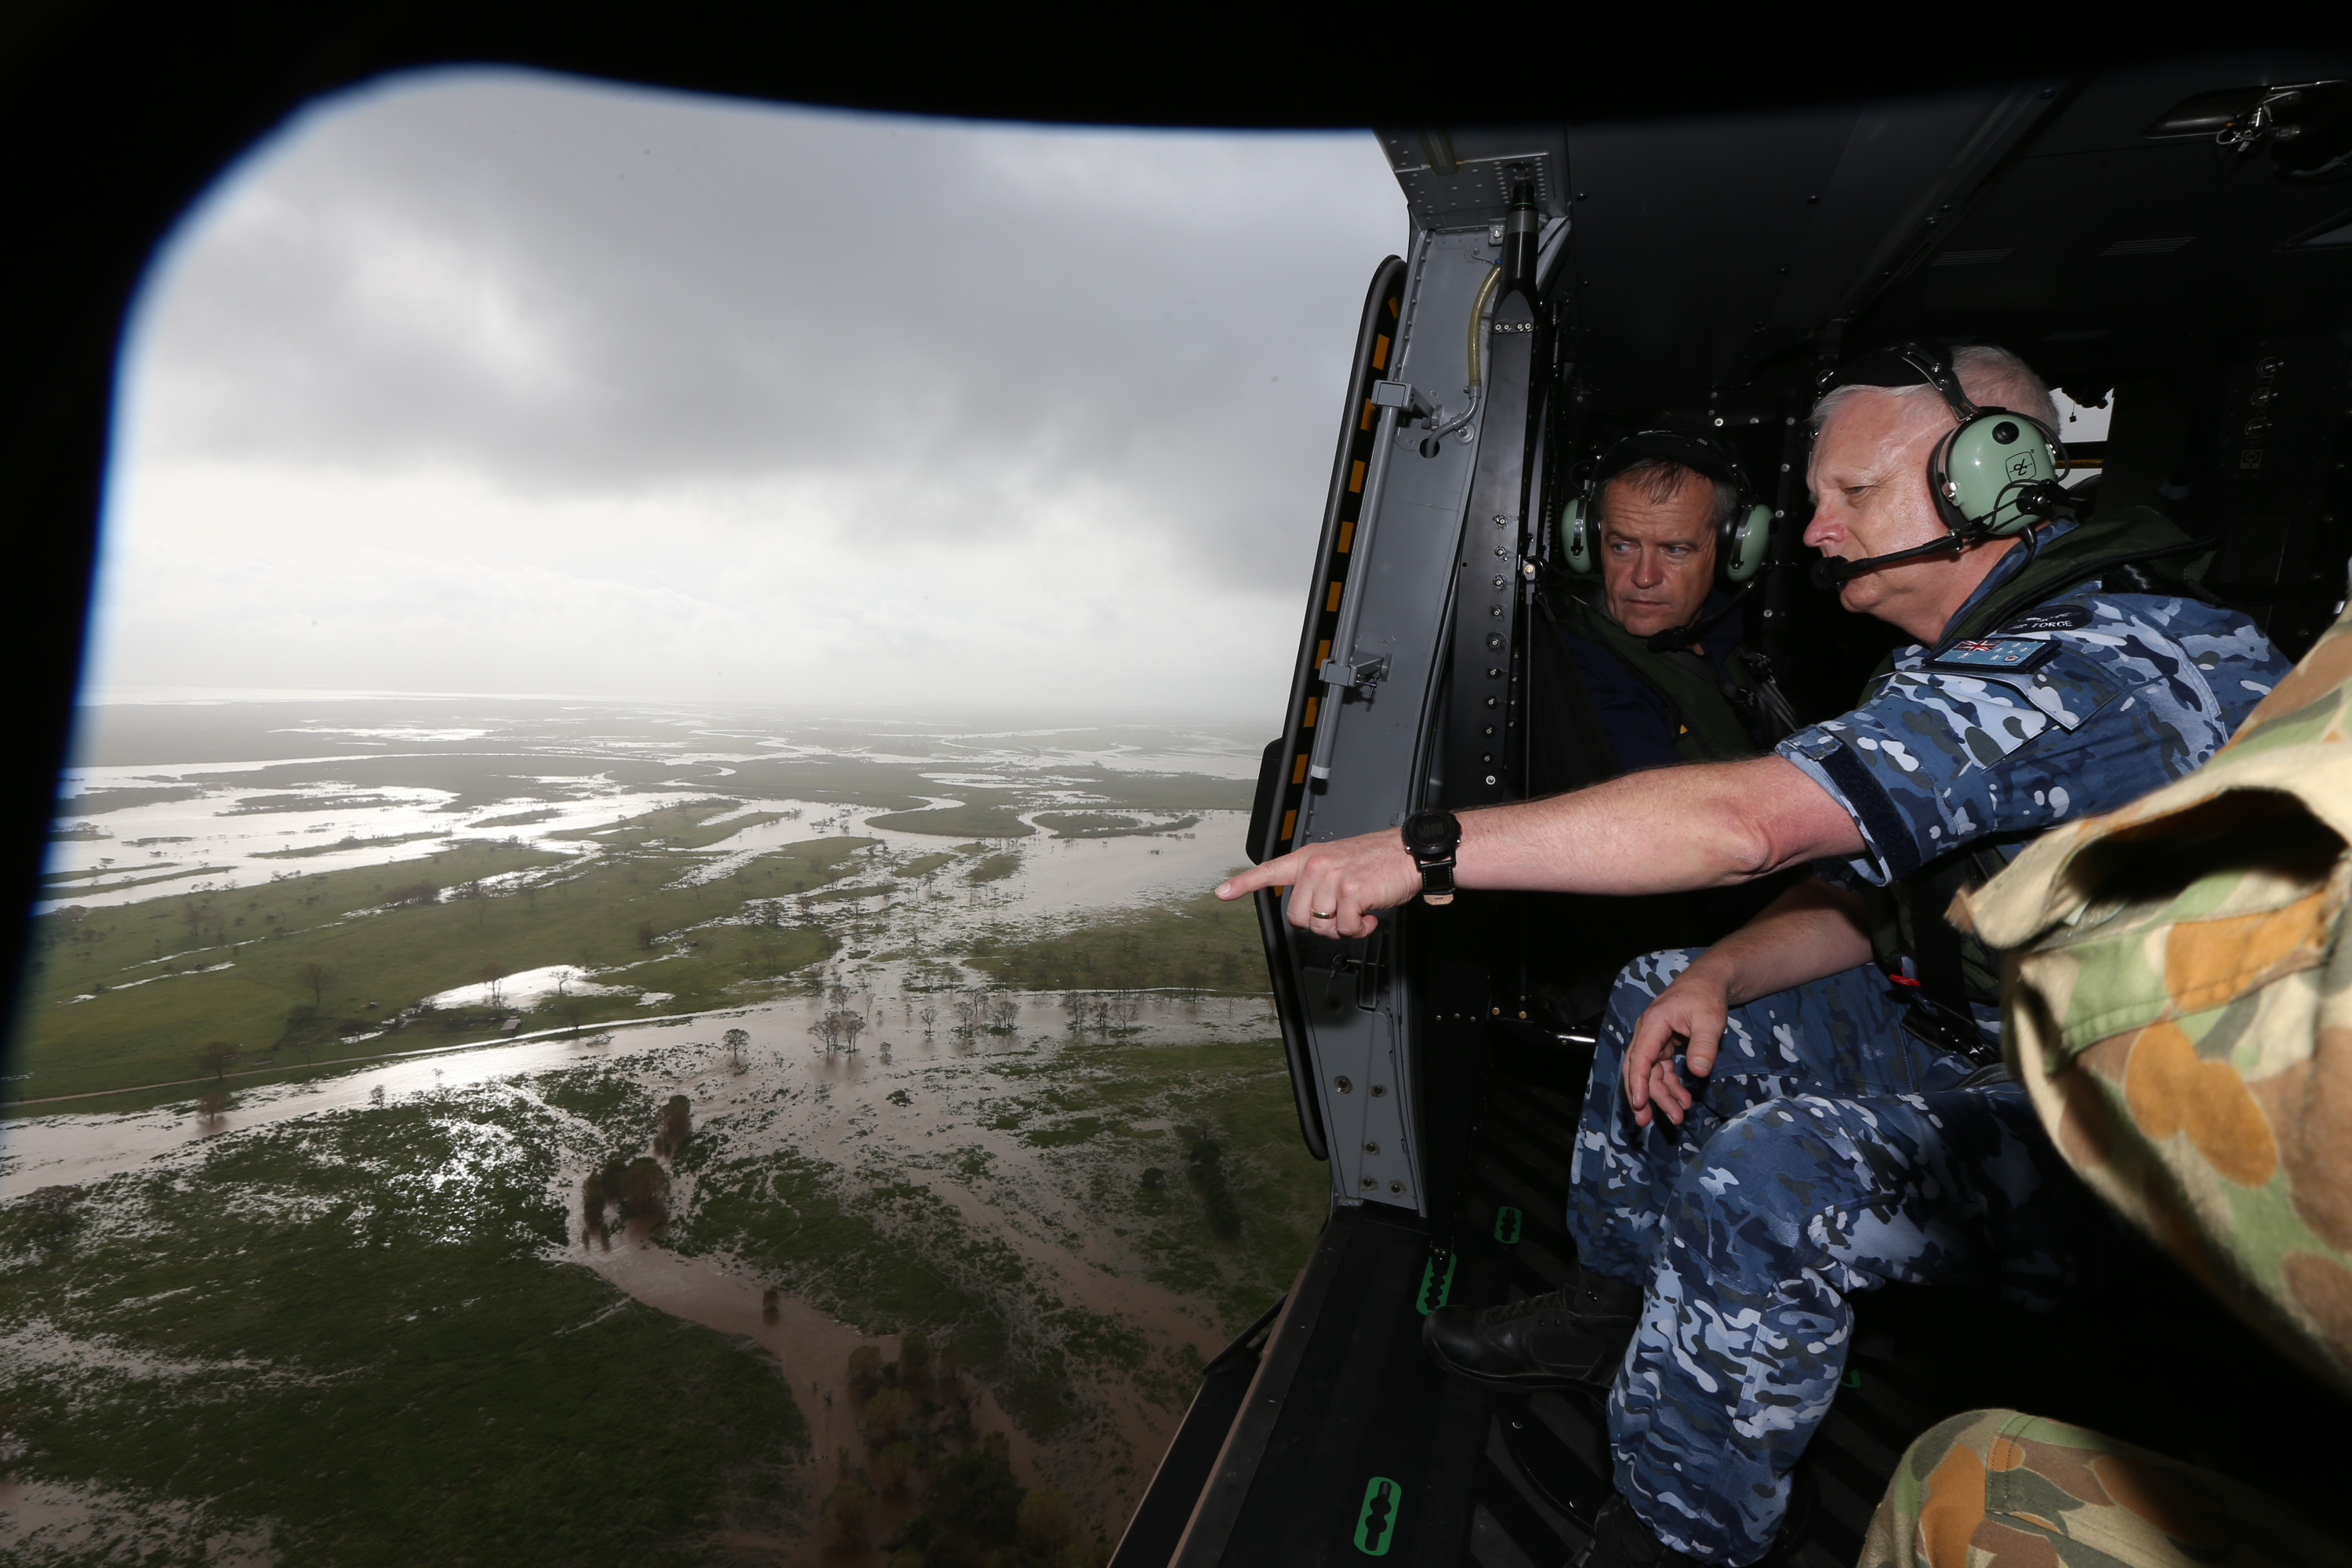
<point>975,821</point>
<point>306,960</point>
<point>1105,825</point>
<point>1200,944</point>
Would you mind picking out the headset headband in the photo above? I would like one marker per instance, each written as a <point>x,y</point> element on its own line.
<point>1702,455</point>
<point>1909,364</point>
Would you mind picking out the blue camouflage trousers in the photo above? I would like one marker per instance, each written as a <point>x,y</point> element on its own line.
<point>1827,1153</point>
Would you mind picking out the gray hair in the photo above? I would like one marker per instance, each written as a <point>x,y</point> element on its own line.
<point>1992,377</point>
<point>1658,480</point>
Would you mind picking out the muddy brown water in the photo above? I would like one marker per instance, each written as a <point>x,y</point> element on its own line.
<point>812,1352</point>
<point>838,1107</point>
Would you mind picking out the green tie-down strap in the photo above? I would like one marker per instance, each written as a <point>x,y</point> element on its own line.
<point>2179,1007</point>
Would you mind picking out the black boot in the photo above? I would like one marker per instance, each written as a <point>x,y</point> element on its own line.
<point>1620,1540</point>
<point>1574,1335</point>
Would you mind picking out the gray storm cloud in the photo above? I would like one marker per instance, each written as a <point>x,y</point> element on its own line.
<point>498,381</point>
<point>581,288</point>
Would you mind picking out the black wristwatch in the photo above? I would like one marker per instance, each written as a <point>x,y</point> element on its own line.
<point>1431,837</point>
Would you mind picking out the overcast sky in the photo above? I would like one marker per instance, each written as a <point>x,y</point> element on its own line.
<point>499,382</point>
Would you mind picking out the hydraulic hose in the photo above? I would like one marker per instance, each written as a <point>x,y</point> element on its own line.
<point>1478,359</point>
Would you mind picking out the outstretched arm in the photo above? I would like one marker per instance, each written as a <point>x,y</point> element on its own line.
<point>1710,824</point>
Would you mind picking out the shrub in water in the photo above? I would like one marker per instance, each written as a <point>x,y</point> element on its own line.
<point>645,1189</point>
<point>891,1466</point>
<point>845,1515</point>
<point>889,1414</point>
<point>1048,1520</point>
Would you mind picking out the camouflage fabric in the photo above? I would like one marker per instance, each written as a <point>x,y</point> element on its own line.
<point>1937,759</point>
<point>1829,1152</point>
<point>2181,1010</point>
<point>1994,1489</point>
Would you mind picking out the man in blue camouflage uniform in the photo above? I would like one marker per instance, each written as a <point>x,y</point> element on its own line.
<point>1778,1122</point>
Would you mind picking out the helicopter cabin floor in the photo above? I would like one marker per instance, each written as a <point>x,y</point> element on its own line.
<point>1333,1437</point>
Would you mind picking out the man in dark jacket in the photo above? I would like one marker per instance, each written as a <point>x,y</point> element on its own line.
<point>1653,655</point>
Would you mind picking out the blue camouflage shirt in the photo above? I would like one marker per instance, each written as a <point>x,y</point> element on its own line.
<point>1944,752</point>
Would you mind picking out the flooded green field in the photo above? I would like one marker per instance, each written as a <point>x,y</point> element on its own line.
<point>716,1175</point>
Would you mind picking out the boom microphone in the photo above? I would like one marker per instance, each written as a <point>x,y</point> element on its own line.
<point>1830,575</point>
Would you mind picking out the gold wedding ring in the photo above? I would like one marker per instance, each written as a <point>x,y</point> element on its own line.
<point>1323,914</point>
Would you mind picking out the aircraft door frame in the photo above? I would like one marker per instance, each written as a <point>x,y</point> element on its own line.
<point>1357,757</point>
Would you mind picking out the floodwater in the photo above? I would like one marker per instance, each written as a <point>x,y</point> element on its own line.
<point>287,811</point>
<point>814,1352</point>
<point>853,1120</point>
<point>909,1094</point>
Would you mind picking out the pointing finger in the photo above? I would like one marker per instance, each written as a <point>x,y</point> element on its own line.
<point>1242,883</point>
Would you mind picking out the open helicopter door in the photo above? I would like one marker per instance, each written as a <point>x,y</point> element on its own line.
<point>1403,695</point>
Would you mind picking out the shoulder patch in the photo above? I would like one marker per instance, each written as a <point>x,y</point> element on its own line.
<point>1994,656</point>
<point>2052,618</point>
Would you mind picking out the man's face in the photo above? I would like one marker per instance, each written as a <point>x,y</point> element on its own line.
<point>1868,476</point>
<point>1658,558</point>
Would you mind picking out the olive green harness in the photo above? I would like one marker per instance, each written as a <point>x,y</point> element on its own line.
<point>2137,550</point>
<point>1709,719</point>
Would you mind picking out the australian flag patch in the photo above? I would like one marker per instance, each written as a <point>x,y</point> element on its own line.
<point>1994,656</point>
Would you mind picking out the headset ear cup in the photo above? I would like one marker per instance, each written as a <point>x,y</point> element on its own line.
<point>1576,537</point>
<point>1751,536</point>
<point>1990,465</point>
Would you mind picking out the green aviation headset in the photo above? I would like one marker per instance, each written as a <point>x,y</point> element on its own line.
<point>1994,476</point>
<point>1740,541</point>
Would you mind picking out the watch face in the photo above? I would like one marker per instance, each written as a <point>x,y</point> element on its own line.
<point>1431,829</point>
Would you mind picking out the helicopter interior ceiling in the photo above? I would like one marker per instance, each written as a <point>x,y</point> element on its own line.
<point>2097,226</point>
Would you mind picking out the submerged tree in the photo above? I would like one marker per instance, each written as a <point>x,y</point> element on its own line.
<point>891,1464</point>
<point>865,1368</point>
<point>593,1202</point>
<point>676,1124</point>
<point>914,1357</point>
<point>1048,1521</point>
<point>845,1515</point>
<point>886,1414</point>
<point>972,1505</point>
<point>736,1040</point>
<point>645,1190</point>
<point>930,1016</point>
